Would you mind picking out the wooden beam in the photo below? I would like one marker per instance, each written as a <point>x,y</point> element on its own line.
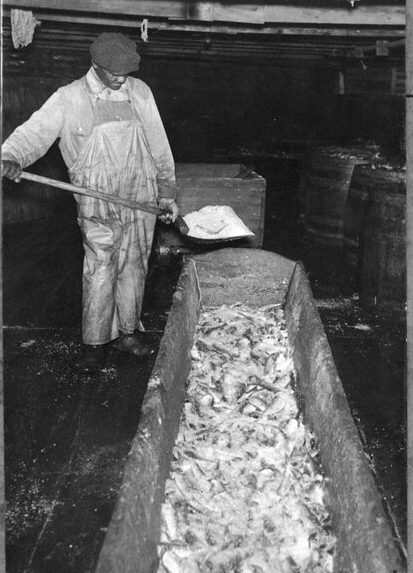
<point>155,8</point>
<point>379,15</point>
<point>276,13</point>
<point>236,46</point>
<point>218,11</point>
<point>216,28</point>
<point>242,13</point>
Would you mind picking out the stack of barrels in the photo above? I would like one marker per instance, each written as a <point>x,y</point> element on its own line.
<point>353,202</point>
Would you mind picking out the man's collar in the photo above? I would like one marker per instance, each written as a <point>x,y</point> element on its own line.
<point>97,86</point>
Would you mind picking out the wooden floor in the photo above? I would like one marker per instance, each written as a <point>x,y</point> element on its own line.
<point>67,434</point>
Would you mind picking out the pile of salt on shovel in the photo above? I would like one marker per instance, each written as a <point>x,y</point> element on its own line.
<point>216,222</point>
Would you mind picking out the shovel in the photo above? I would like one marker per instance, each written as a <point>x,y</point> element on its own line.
<point>179,223</point>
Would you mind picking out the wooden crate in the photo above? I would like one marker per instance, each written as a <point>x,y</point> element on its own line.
<point>202,184</point>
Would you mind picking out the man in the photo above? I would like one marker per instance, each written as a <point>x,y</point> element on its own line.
<point>112,140</point>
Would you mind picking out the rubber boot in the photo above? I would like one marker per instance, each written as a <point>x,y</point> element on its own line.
<point>93,358</point>
<point>137,344</point>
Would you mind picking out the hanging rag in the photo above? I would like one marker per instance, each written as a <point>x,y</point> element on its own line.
<point>23,24</point>
<point>144,30</point>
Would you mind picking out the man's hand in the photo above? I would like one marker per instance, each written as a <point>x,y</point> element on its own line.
<point>11,169</point>
<point>171,205</point>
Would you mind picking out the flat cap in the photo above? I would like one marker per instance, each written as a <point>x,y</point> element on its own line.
<point>115,52</point>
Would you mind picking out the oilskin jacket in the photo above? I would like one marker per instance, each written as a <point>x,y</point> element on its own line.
<point>113,142</point>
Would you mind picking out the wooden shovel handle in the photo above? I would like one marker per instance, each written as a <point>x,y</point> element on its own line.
<point>179,223</point>
<point>147,207</point>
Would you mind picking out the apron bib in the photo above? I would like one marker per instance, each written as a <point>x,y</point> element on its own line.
<point>115,160</point>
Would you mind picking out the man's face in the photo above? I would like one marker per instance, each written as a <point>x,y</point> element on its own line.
<point>112,81</point>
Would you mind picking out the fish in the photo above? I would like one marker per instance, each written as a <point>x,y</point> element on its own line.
<point>245,483</point>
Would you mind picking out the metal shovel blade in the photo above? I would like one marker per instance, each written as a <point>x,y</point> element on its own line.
<point>215,224</point>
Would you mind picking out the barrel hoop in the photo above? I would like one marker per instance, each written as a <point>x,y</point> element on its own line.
<point>322,235</point>
<point>321,182</point>
<point>324,173</point>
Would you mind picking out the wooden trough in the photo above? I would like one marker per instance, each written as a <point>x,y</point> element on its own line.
<point>255,277</point>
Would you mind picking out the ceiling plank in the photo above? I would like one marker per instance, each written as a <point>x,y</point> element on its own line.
<point>277,13</point>
<point>216,28</point>
<point>217,11</point>
<point>208,28</point>
<point>363,15</point>
<point>155,8</point>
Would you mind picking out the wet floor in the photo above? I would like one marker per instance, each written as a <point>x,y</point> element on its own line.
<point>68,434</point>
<point>67,439</point>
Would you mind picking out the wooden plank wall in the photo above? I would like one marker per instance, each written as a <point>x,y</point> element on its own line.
<point>30,77</point>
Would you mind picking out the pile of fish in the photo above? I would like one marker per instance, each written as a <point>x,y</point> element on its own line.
<point>368,152</point>
<point>388,167</point>
<point>246,492</point>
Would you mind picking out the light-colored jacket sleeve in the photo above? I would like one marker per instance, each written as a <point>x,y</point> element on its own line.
<point>32,139</point>
<point>159,146</point>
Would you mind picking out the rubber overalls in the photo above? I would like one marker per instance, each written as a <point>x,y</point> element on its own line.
<point>117,240</point>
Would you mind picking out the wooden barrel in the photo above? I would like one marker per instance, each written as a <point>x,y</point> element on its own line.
<point>361,186</point>
<point>328,181</point>
<point>383,243</point>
